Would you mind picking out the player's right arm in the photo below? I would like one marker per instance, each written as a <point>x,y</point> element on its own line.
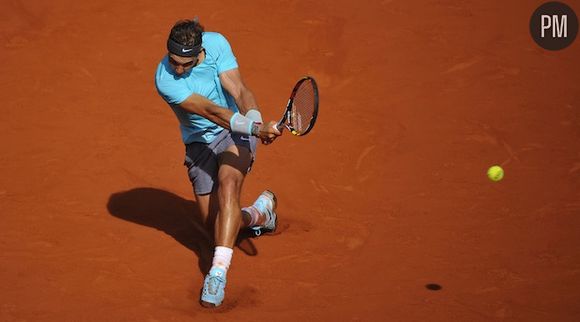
<point>204,107</point>
<point>221,116</point>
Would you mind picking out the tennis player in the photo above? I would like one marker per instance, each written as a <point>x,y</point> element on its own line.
<point>219,121</point>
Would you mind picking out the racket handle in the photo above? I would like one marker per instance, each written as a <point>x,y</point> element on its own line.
<point>280,127</point>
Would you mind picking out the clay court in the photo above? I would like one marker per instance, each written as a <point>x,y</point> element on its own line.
<point>385,208</point>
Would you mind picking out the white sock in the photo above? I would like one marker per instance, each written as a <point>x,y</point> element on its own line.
<point>222,257</point>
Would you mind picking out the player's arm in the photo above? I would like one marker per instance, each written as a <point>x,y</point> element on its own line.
<point>227,119</point>
<point>202,106</point>
<point>232,81</point>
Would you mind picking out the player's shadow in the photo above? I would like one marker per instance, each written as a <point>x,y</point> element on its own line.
<point>173,215</point>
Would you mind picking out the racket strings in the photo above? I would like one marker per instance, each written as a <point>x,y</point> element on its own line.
<point>303,107</point>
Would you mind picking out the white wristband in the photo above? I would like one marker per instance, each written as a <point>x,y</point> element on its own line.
<point>254,115</point>
<point>241,124</point>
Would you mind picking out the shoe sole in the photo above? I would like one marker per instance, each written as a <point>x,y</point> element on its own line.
<point>275,204</point>
<point>208,305</point>
<point>273,198</point>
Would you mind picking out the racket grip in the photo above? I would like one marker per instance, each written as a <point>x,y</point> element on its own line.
<point>280,127</point>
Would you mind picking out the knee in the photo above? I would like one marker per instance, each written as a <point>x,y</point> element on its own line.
<point>231,184</point>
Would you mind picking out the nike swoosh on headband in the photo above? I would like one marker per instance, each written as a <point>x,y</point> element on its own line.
<point>178,49</point>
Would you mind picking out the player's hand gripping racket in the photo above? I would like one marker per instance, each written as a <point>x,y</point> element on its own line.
<point>302,109</point>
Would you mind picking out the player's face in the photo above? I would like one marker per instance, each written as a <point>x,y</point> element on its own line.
<point>182,65</point>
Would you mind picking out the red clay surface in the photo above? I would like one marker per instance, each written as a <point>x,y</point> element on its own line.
<point>386,196</point>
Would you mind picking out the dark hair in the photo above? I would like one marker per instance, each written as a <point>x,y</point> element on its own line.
<point>187,32</point>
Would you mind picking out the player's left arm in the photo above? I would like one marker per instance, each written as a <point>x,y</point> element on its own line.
<point>232,81</point>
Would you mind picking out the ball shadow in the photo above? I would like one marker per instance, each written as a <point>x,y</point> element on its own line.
<point>433,287</point>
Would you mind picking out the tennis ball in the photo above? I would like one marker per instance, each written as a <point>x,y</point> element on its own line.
<point>495,173</point>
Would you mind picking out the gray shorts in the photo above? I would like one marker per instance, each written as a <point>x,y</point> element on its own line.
<point>201,159</point>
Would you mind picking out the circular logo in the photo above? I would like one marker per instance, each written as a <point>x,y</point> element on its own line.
<point>554,25</point>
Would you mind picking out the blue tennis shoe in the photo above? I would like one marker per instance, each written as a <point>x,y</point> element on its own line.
<point>214,286</point>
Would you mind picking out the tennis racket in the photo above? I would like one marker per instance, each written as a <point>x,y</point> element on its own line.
<point>302,109</point>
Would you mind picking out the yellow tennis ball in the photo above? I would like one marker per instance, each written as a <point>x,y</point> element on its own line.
<point>495,173</point>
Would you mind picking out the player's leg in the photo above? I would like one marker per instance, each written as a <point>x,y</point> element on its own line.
<point>233,166</point>
<point>203,206</point>
<point>208,207</point>
<point>261,216</point>
<point>201,160</point>
<point>236,154</point>
<point>234,163</point>
<point>202,163</point>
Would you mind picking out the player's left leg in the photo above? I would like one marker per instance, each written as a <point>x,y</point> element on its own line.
<point>233,166</point>
<point>234,163</point>
<point>261,216</point>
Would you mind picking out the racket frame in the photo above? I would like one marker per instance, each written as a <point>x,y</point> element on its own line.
<point>286,119</point>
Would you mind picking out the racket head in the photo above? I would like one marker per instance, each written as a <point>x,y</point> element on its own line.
<point>302,108</point>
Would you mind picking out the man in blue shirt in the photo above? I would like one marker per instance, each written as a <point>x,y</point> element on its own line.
<point>219,121</point>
